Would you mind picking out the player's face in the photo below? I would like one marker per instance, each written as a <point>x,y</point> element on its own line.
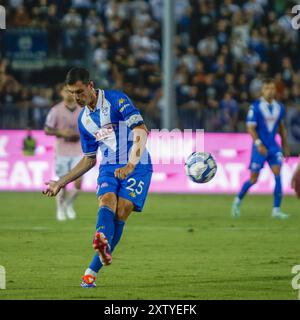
<point>67,96</point>
<point>82,93</point>
<point>269,91</point>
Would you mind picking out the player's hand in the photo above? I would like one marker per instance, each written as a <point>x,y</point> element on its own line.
<point>125,171</point>
<point>262,149</point>
<point>293,182</point>
<point>69,135</point>
<point>295,177</point>
<point>73,138</point>
<point>52,189</point>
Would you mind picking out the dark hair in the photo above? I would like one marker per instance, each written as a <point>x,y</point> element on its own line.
<point>60,86</point>
<point>77,74</point>
<point>268,80</point>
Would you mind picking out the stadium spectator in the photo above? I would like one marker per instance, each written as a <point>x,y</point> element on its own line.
<point>21,18</point>
<point>29,144</point>
<point>41,99</point>
<point>228,113</point>
<point>220,46</point>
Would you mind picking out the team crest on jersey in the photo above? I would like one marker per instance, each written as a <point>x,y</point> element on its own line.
<point>105,110</point>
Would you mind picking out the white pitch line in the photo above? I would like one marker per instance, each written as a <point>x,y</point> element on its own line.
<point>25,229</point>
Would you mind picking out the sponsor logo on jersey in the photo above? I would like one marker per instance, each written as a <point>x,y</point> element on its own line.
<point>132,194</point>
<point>104,133</point>
<point>121,101</point>
<point>104,185</point>
<point>123,108</point>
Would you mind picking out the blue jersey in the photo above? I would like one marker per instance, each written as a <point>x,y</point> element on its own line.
<point>109,127</point>
<point>266,117</point>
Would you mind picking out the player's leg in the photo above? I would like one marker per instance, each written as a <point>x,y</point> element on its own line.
<point>132,196</point>
<point>105,228</point>
<point>72,195</point>
<point>256,164</point>
<point>124,208</point>
<point>235,211</point>
<point>61,169</point>
<point>60,205</point>
<point>248,184</point>
<point>276,212</point>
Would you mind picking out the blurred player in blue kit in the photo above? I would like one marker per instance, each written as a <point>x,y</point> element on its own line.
<point>108,121</point>
<point>265,119</point>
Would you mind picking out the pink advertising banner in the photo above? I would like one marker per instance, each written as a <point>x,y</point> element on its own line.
<point>169,150</point>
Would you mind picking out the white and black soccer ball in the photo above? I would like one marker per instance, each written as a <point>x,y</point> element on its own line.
<point>200,167</point>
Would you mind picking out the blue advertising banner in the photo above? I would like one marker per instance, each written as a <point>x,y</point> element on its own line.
<point>26,48</point>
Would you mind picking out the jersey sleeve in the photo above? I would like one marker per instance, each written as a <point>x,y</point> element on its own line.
<point>252,116</point>
<point>128,111</point>
<point>89,145</point>
<point>51,120</point>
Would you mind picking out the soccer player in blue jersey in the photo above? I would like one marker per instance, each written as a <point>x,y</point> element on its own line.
<point>265,119</point>
<point>109,122</point>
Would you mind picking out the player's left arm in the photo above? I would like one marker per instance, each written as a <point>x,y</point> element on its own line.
<point>131,115</point>
<point>296,176</point>
<point>140,136</point>
<point>283,135</point>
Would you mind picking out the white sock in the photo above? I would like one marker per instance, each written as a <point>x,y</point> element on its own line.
<point>72,196</point>
<point>237,200</point>
<point>276,210</point>
<point>91,272</point>
<point>60,199</point>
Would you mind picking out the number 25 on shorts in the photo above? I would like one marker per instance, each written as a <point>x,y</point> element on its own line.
<point>135,187</point>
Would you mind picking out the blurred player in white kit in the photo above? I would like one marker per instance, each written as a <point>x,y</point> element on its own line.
<point>62,122</point>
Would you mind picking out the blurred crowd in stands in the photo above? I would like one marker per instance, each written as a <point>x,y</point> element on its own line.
<point>223,49</point>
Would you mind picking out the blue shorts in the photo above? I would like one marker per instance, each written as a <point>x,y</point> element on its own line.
<point>134,188</point>
<point>258,160</point>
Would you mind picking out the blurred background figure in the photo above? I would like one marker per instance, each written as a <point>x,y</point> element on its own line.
<point>29,144</point>
<point>61,122</point>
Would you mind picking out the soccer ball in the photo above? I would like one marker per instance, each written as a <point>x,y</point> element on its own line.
<point>200,167</point>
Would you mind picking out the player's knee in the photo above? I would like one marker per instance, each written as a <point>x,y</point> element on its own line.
<point>253,180</point>
<point>108,200</point>
<point>123,211</point>
<point>78,184</point>
<point>276,172</point>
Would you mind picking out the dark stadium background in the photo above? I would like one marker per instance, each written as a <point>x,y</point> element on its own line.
<point>223,49</point>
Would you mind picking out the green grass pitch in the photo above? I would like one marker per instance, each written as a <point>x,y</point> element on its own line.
<point>180,247</point>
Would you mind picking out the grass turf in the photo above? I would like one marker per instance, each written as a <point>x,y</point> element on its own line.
<point>181,247</point>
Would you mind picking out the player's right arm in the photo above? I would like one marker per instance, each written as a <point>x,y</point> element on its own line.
<point>296,176</point>
<point>51,129</point>
<point>251,128</point>
<point>67,134</point>
<point>89,147</point>
<point>84,165</point>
